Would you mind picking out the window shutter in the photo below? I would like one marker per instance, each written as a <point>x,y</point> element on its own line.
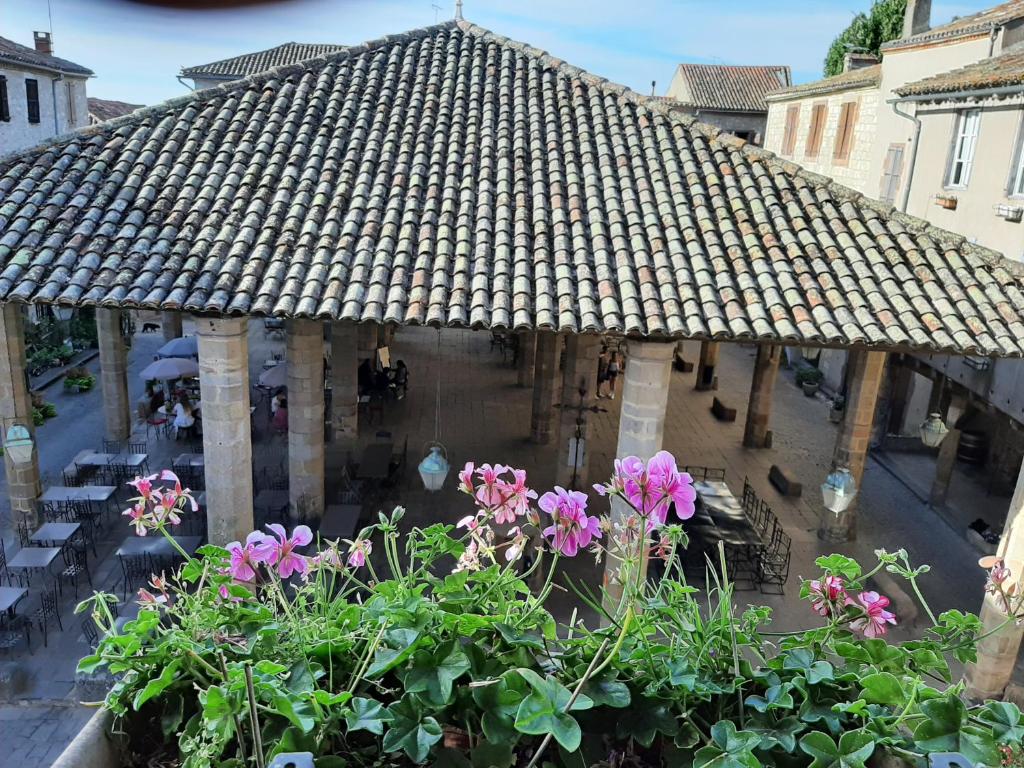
<point>844,135</point>
<point>818,117</point>
<point>5,106</point>
<point>789,136</point>
<point>32,100</point>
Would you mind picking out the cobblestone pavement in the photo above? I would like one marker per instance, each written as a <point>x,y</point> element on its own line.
<point>485,417</point>
<point>34,735</point>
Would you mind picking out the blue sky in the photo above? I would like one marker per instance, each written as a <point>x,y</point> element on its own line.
<point>137,50</point>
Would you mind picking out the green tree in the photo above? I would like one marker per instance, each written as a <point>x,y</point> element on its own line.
<point>866,33</point>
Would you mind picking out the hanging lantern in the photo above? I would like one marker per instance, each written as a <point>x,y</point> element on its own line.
<point>838,490</point>
<point>434,467</point>
<point>63,312</point>
<point>18,444</point>
<point>933,431</point>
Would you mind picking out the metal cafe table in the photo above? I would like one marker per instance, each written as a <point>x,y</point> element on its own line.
<point>32,559</point>
<point>157,546</point>
<point>9,599</point>
<point>55,534</point>
<point>134,460</point>
<point>340,522</point>
<point>99,494</point>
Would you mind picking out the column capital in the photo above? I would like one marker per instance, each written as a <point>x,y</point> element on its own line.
<point>651,349</point>
<point>221,326</point>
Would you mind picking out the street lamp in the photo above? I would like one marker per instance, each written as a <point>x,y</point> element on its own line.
<point>933,431</point>
<point>434,468</point>
<point>838,490</point>
<point>18,444</point>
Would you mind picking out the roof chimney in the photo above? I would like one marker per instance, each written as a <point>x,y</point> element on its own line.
<point>918,17</point>
<point>44,42</point>
<point>853,60</point>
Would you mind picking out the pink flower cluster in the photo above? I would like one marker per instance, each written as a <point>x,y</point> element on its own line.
<point>571,529</point>
<point>830,599</point>
<point>505,498</point>
<point>652,488</point>
<point>156,508</point>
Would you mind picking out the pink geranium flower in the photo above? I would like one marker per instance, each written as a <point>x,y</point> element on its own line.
<point>518,543</point>
<point>281,552</point>
<point>573,529</point>
<point>137,515</point>
<point>466,479</point>
<point>872,624</point>
<point>144,485</point>
<point>489,493</point>
<point>245,557</point>
<point>827,594</point>
<point>358,551</point>
<point>516,497</point>
<point>674,487</point>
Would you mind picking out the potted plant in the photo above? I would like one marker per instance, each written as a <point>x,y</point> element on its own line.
<point>835,413</point>
<point>78,379</point>
<point>809,379</point>
<point>430,648</point>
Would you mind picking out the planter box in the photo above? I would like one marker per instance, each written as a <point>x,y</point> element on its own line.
<point>94,746</point>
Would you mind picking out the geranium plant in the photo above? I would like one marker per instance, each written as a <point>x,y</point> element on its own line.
<point>429,647</point>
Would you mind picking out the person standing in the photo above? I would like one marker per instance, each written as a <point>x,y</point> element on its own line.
<point>602,370</point>
<point>613,374</point>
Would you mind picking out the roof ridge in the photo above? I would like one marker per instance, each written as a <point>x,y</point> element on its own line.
<point>246,81</point>
<point>251,53</point>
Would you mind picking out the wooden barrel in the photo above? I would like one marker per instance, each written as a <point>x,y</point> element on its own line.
<point>973,447</point>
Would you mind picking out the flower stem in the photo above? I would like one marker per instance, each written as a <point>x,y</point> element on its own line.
<point>163,529</point>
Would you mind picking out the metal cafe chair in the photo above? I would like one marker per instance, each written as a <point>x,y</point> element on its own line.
<point>774,563</point>
<point>48,610</point>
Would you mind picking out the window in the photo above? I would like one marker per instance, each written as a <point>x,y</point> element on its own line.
<point>32,100</point>
<point>964,139</point>
<point>789,135</point>
<point>5,106</point>
<point>71,104</point>
<point>1016,186</point>
<point>844,131</point>
<point>818,115</point>
<point>892,169</point>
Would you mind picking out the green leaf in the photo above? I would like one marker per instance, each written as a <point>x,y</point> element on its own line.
<point>940,732</point>
<point>782,733</point>
<point>489,755</point>
<point>1005,719</point>
<point>298,711</point>
<point>367,715</point>
<point>776,697</point>
<point>882,688</point>
<point>515,637</point>
<point>300,679</point>
<point>398,645</point>
<point>192,571</point>
<point>802,659</point>
<point>608,693</point>
<point>433,673</point>
<point>729,748</point>
<point>410,731</point>
<point>173,714</point>
<point>647,718</point>
<point>217,711</point>
<point>853,749</point>
<point>499,703</point>
<point>839,565</point>
<point>545,710</point>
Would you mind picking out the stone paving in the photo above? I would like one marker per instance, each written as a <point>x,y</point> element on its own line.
<point>484,416</point>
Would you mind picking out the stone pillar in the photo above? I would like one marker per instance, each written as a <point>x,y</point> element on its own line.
<point>23,486</point>
<point>580,375</point>
<point>305,353</point>
<point>527,354</point>
<point>344,381</point>
<point>368,338</point>
<point>641,425</point>
<point>227,438</point>
<point>170,325</point>
<point>759,408</point>
<point>864,377</point>
<point>114,373</point>
<point>902,379</point>
<point>545,385</point>
<point>706,364</point>
<point>997,653</point>
<point>946,460</point>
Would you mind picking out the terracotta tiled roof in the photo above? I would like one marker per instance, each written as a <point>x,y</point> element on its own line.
<point>732,88</point>
<point>865,77</point>
<point>998,71</point>
<point>451,176</point>
<point>106,109</point>
<point>261,61</point>
<point>21,55</point>
<point>975,24</point>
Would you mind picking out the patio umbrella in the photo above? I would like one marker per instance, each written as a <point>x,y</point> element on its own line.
<point>183,346</point>
<point>170,368</point>
<point>275,377</point>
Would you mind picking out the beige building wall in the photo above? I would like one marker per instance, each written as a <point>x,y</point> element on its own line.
<point>975,215</point>
<point>853,172</point>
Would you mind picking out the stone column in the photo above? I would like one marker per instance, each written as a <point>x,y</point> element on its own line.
<point>368,337</point>
<point>641,424</point>
<point>706,365</point>
<point>902,379</point>
<point>997,653</point>
<point>527,354</point>
<point>170,325</point>
<point>545,385</point>
<point>305,353</point>
<point>946,460</point>
<point>580,375</point>
<point>864,376</point>
<point>23,486</point>
<point>344,381</point>
<point>227,439</point>
<point>114,373</point>
<point>759,408</point>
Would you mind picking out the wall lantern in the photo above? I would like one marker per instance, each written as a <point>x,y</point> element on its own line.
<point>933,431</point>
<point>838,490</point>
<point>63,312</point>
<point>18,444</point>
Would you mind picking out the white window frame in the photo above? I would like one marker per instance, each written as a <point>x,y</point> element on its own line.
<point>965,142</point>
<point>1015,187</point>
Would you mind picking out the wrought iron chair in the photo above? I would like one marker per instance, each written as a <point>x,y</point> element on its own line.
<point>75,567</point>
<point>774,563</point>
<point>49,609</point>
